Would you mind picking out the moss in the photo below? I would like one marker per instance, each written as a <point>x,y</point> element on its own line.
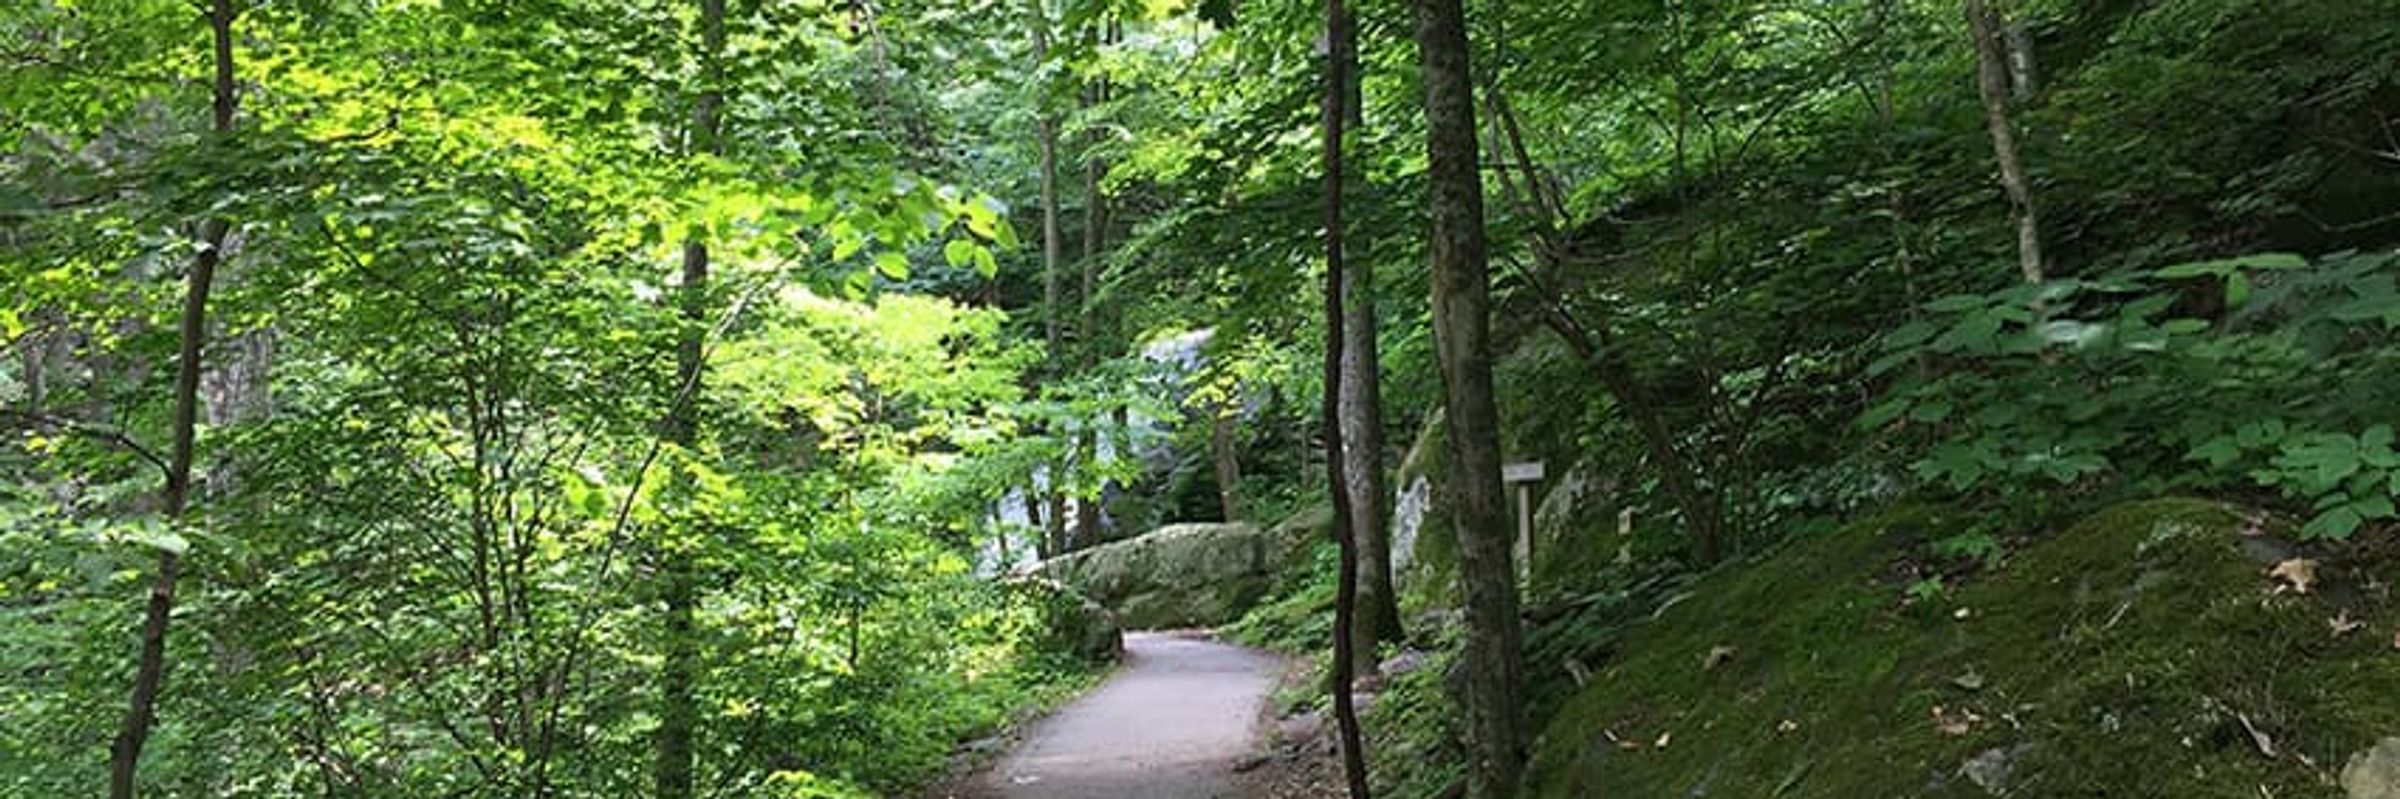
<point>2129,656</point>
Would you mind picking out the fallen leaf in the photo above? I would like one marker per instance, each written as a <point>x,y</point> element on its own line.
<point>2343,625</point>
<point>1788,726</point>
<point>1717,656</point>
<point>1969,681</point>
<point>2298,574</point>
<point>1959,723</point>
<point>1664,738</point>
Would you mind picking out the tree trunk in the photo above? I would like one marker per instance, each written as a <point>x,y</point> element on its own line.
<point>1992,79</point>
<point>125,753</point>
<point>1095,239</point>
<point>1362,417</point>
<point>1346,622</point>
<point>1462,318</point>
<point>1046,135</point>
<point>1225,451</point>
<point>680,712</point>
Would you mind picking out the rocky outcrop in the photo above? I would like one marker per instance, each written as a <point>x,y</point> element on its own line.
<point>1183,575</point>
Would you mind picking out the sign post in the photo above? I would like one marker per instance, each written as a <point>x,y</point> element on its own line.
<point>1521,477</point>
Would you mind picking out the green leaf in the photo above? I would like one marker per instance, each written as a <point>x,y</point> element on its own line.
<point>959,253</point>
<point>1883,413</point>
<point>2373,507</point>
<point>1958,302</point>
<point>2338,523</point>
<point>893,265</point>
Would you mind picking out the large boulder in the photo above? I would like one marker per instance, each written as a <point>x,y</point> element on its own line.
<point>1183,575</point>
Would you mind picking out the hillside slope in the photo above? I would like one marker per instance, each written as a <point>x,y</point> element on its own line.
<point>2147,651</point>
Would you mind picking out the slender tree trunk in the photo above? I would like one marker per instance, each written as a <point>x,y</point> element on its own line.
<point>1702,509</point>
<point>125,754</point>
<point>1992,79</point>
<point>1346,621</point>
<point>1361,393</point>
<point>1225,451</point>
<point>1053,278</point>
<point>1495,662</point>
<point>1046,135</point>
<point>680,713</point>
<point>1056,522</point>
<point>1095,240</point>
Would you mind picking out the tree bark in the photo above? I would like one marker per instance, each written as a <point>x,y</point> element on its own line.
<point>1225,452</point>
<point>1361,394</point>
<point>1046,136</point>
<point>125,753</point>
<point>1346,623</point>
<point>1992,79</point>
<point>680,713</point>
<point>1462,320</point>
<point>1095,239</point>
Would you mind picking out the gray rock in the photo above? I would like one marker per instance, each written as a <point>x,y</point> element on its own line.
<point>1990,768</point>
<point>2374,773</point>
<point>1184,575</point>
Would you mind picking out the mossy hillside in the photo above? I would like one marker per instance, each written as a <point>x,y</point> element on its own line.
<point>2129,656</point>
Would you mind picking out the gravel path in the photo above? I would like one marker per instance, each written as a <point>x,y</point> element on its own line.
<point>1170,724</point>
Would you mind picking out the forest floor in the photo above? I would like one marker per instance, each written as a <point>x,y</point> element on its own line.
<point>1175,722</point>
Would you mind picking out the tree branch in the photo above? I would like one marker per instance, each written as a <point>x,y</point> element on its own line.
<point>100,432</point>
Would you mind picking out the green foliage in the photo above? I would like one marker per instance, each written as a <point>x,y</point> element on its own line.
<point>2052,388</point>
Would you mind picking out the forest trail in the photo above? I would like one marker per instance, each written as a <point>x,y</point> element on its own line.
<point>1169,725</point>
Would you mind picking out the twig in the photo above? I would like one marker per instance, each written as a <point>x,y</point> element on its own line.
<point>102,432</point>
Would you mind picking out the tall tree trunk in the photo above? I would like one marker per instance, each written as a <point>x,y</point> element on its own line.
<point>1095,240</point>
<point>1495,661</point>
<point>1992,79</point>
<point>1225,452</point>
<point>1053,278</point>
<point>680,711</point>
<point>1046,136</point>
<point>1346,620</point>
<point>125,753</point>
<point>1361,394</point>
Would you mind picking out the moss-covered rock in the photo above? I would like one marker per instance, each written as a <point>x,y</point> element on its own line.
<point>1183,575</point>
<point>1424,542</point>
<point>2141,653</point>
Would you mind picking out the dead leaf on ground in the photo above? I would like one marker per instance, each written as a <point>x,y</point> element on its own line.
<point>1969,681</point>
<point>1664,738</point>
<point>1717,655</point>
<point>2343,625</point>
<point>1958,723</point>
<point>1788,726</point>
<point>2297,574</point>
